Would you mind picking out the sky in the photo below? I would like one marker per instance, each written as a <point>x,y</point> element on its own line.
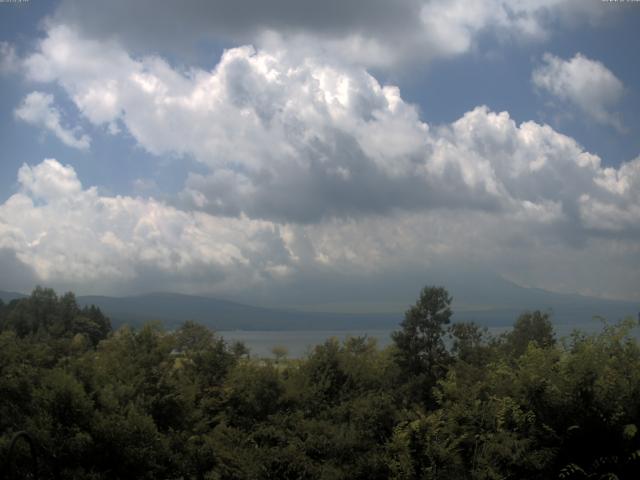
<point>333,153</point>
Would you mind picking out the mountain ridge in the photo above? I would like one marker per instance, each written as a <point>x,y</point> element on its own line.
<point>172,309</point>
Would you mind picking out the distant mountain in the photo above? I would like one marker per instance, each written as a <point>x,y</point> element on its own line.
<point>493,303</point>
<point>173,309</point>
<point>501,302</point>
<point>6,297</point>
<point>479,293</point>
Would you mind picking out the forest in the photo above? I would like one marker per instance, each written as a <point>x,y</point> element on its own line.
<point>445,401</point>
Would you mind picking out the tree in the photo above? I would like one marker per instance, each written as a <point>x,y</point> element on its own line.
<point>46,315</point>
<point>470,343</point>
<point>253,392</point>
<point>531,327</point>
<point>421,352</point>
<point>192,337</point>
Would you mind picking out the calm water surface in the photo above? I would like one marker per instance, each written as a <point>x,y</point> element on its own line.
<point>300,342</point>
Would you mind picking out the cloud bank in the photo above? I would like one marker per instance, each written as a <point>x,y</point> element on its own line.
<point>300,143</point>
<point>70,235</point>
<point>311,171</point>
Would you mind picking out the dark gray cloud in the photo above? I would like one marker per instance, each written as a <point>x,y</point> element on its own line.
<point>370,32</point>
<point>165,25</point>
<point>337,179</point>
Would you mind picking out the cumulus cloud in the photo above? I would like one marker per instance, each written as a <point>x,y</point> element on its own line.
<point>586,84</point>
<point>370,32</point>
<point>302,142</point>
<point>49,181</point>
<point>38,109</point>
<point>275,130</point>
<point>311,169</point>
<point>66,234</point>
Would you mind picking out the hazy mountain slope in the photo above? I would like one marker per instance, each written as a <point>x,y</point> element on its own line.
<point>6,297</point>
<point>173,309</point>
<point>493,302</point>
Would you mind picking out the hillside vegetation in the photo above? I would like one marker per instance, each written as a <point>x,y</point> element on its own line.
<point>445,401</point>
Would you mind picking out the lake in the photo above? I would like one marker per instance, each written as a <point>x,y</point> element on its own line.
<point>300,342</point>
<point>297,342</point>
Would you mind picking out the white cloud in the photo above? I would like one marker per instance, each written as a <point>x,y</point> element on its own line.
<point>299,142</point>
<point>452,26</point>
<point>38,109</point>
<point>585,83</point>
<point>9,62</point>
<point>274,126</point>
<point>74,237</point>
<point>311,168</point>
<point>49,181</point>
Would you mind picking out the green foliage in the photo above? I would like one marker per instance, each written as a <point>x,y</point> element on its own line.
<point>530,327</point>
<point>252,393</point>
<point>425,448</point>
<point>470,344</point>
<point>45,315</point>
<point>153,404</point>
<point>420,349</point>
